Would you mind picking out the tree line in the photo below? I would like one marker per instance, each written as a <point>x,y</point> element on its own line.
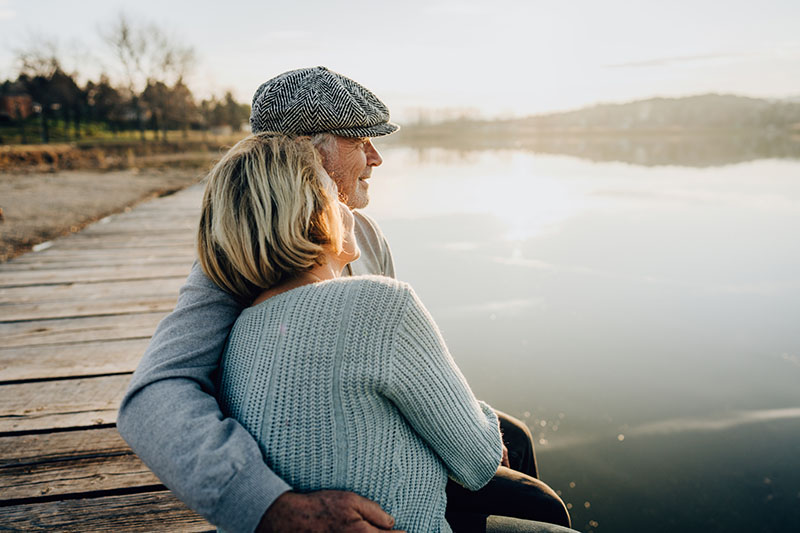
<point>705,112</point>
<point>149,91</point>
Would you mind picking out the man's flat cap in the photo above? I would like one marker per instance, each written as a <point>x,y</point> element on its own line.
<point>317,100</point>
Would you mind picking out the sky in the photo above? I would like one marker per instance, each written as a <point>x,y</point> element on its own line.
<point>492,59</point>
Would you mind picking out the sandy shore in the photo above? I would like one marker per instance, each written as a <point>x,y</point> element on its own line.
<point>39,206</point>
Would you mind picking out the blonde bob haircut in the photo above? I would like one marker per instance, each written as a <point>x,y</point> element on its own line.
<point>269,212</point>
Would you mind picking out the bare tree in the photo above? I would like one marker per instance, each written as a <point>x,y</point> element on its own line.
<point>52,85</point>
<point>146,55</point>
<point>39,57</point>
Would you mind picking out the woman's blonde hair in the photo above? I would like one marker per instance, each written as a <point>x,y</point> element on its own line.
<point>269,212</point>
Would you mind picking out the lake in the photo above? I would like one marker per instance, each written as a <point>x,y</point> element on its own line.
<point>643,320</point>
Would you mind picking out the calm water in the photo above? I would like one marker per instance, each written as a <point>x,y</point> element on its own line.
<point>644,322</point>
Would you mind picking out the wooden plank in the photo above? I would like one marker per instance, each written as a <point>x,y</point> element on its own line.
<point>70,243</point>
<point>156,213</point>
<point>189,198</point>
<point>124,306</point>
<point>99,258</point>
<point>76,308</point>
<point>145,289</point>
<point>94,275</point>
<point>179,213</point>
<point>61,404</point>
<point>110,243</point>
<point>184,200</point>
<point>186,213</point>
<point>118,253</point>
<point>163,219</point>
<point>186,234</point>
<point>107,259</point>
<point>83,329</point>
<point>152,511</point>
<point>57,253</point>
<point>80,475</point>
<point>38,448</point>
<point>182,235</point>
<point>71,360</point>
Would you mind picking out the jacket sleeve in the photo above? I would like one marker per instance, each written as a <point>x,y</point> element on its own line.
<point>373,243</point>
<point>429,389</point>
<point>171,419</point>
<point>386,258</point>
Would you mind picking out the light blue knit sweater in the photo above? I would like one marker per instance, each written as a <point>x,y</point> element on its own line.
<point>347,384</point>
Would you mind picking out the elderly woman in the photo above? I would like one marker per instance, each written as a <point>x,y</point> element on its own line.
<point>345,382</point>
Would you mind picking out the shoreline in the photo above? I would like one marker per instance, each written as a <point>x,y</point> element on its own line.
<point>111,155</point>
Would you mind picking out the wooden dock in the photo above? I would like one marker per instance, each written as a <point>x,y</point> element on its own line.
<point>74,320</point>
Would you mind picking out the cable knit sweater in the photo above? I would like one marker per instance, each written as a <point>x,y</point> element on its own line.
<point>347,384</point>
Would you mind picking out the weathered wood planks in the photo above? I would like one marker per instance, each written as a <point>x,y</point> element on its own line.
<point>83,329</point>
<point>79,475</point>
<point>151,511</point>
<point>66,403</point>
<point>24,278</point>
<point>71,360</point>
<point>69,259</point>
<point>60,446</point>
<point>91,291</point>
<point>73,308</point>
<point>75,318</point>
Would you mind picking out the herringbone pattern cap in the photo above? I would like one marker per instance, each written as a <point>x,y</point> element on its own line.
<point>317,100</point>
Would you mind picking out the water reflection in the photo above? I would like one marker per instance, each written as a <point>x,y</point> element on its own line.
<point>643,149</point>
<point>642,320</point>
<point>739,480</point>
<point>732,420</point>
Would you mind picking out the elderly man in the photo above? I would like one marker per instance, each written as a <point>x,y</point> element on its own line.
<point>170,415</point>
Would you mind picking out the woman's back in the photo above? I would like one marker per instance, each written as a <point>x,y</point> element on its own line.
<point>346,384</point>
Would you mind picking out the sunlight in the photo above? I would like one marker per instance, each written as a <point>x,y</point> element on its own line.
<point>519,190</point>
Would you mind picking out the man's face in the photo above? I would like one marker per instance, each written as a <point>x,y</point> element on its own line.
<point>350,166</point>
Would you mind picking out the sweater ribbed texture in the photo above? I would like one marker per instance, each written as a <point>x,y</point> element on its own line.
<point>170,416</point>
<point>347,384</point>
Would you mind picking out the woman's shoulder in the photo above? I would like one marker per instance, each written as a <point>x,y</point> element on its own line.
<point>382,284</point>
<point>378,292</point>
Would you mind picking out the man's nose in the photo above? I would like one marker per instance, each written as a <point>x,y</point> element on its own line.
<point>374,158</point>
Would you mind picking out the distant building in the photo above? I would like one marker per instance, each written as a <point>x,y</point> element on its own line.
<point>15,106</point>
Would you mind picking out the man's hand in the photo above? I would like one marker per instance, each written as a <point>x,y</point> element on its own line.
<point>324,511</point>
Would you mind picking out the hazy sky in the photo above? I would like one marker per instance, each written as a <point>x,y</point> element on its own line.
<point>498,58</point>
